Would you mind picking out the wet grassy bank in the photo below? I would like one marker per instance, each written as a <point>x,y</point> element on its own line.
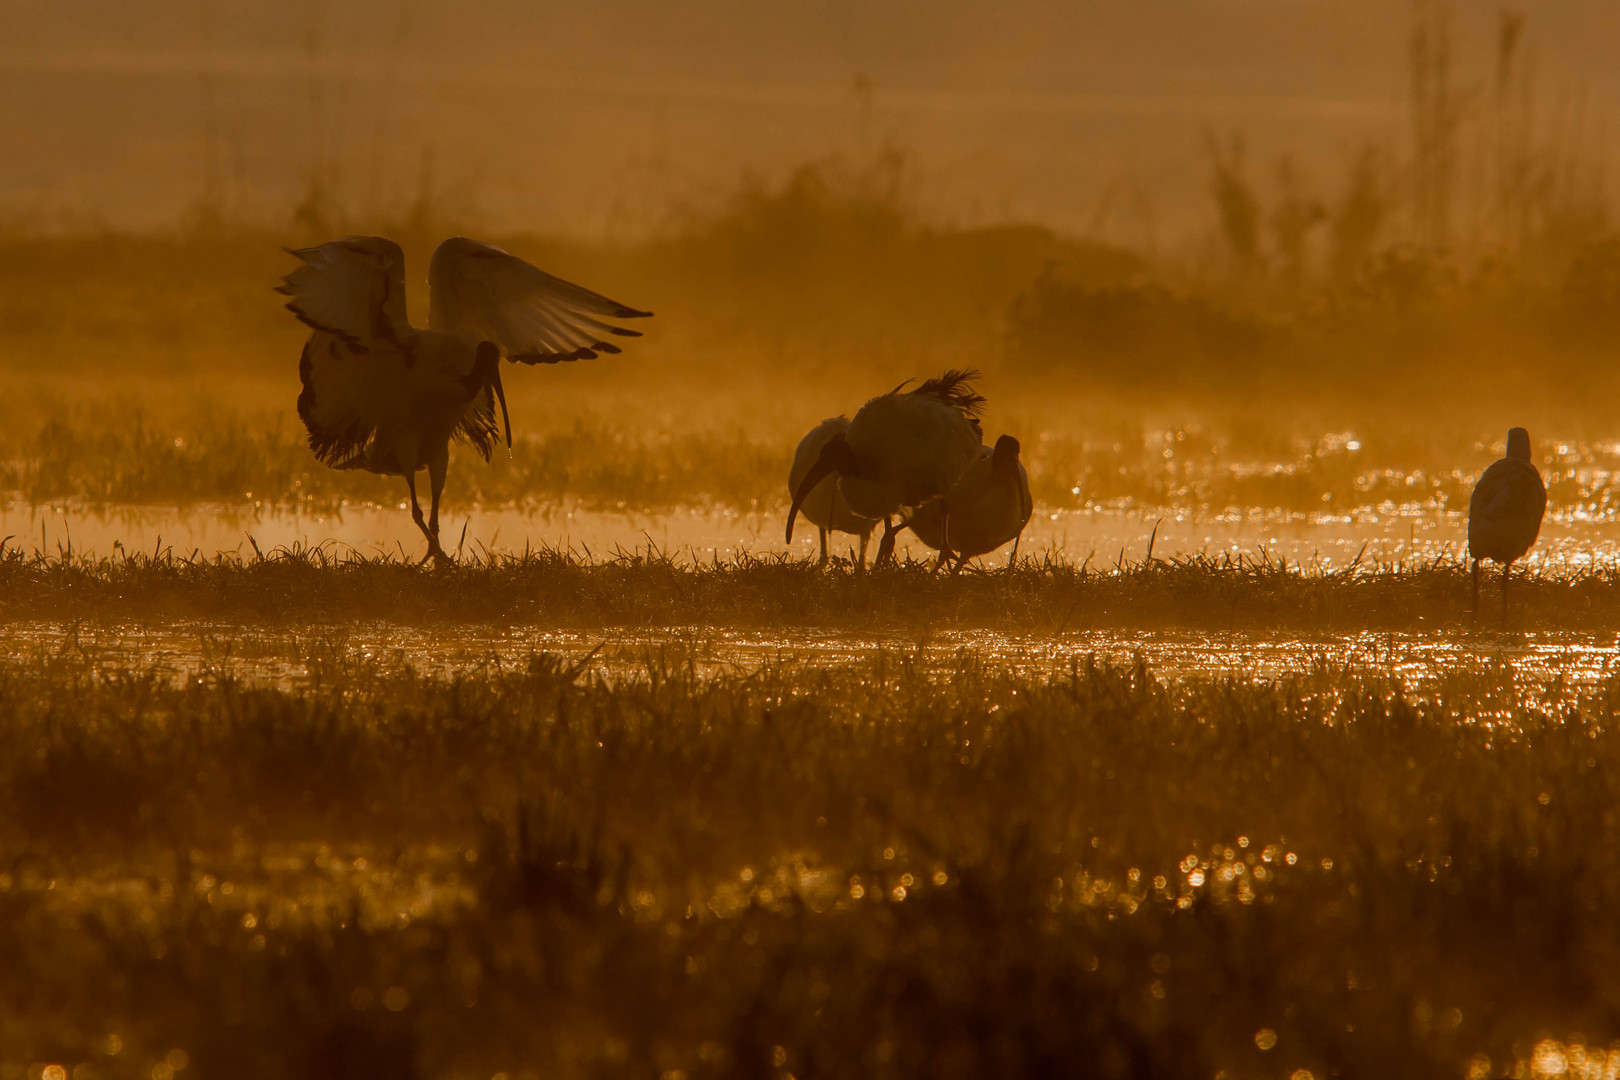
<point>873,868</point>
<point>650,588</point>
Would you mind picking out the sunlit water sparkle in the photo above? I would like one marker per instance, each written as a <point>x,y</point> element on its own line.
<point>289,659</point>
<point>1103,535</point>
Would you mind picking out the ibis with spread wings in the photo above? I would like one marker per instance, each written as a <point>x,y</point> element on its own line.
<point>381,395</point>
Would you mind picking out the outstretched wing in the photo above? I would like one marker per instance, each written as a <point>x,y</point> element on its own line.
<point>480,290</point>
<point>353,288</point>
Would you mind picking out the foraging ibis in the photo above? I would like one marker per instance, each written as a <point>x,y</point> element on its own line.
<point>989,505</point>
<point>825,505</point>
<point>900,450</point>
<point>381,395</point>
<point>1504,514</point>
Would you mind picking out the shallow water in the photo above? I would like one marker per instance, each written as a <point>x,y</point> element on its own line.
<point>1541,664</point>
<point>286,884</point>
<point>1104,535</point>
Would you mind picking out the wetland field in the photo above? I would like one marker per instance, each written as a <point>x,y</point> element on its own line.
<point>1220,778</point>
<point>444,838</point>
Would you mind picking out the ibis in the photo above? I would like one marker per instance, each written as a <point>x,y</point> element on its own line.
<point>824,506</point>
<point>1505,512</point>
<point>381,395</point>
<point>989,505</point>
<point>900,450</point>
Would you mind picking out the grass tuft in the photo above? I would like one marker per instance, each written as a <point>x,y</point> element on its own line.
<point>322,584</point>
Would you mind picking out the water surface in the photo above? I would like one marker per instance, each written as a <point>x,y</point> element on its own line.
<point>1540,664</point>
<point>1102,535</point>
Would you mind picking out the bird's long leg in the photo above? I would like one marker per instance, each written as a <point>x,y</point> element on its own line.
<point>1012,560</point>
<point>438,466</point>
<point>1506,570</point>
<point>1475,610</point>
<point>860,563</point>
<point>416,516</point>
<point>939,562</point>
<point>823,561</point>
<point>885,552</point>
<point>945,531</point>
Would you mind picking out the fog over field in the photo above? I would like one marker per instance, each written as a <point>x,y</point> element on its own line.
<point>603,120</point>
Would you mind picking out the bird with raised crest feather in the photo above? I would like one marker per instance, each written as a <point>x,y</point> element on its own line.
<point>381,395</point>
<point>901,449</point>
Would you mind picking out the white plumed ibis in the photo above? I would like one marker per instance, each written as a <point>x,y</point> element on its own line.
<point>900,450</point>
<point>824,506</point>
<point>989,505</point>
<point>379,394</point>
<point>1505,512</point>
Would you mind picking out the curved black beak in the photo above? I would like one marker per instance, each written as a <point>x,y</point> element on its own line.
<point>824,467</point>
<point>506,419</point>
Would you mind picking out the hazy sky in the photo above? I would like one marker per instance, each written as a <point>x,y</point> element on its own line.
<point>596,118</point>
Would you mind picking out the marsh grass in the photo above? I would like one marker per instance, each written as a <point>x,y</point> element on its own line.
<point>159,369</point>
<point>120,454</point>
<point>874,868</point>
<point>137,449</point>
<point>649,587</point>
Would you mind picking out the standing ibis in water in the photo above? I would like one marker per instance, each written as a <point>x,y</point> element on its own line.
<point>900,450</point>
<point>989,506</point>
<point>379,394</point>
<point>825,505</point>
<point>1504,514</point>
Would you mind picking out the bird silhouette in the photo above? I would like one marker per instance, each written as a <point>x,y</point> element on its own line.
<point>900,450</point>
<point>381,395</point>
<point>824,506</point>
<point>989,506</point>
<point>1504,514</point>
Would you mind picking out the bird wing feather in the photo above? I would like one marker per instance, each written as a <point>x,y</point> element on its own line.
<point>339,403</point>
<point>916,443</point>
<point>1505,510</point>
<point>353,288</point>
<point>477,426</point>
<point>989,507</point>
<point>1026,503</point>
<point>480,290</point>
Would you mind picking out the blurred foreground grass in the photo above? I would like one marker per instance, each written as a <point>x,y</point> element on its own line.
<point>652,588</point>
<point>867,869</point>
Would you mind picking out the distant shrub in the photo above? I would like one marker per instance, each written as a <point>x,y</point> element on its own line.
<point>1130,334</point>
<point>1590,291</point>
